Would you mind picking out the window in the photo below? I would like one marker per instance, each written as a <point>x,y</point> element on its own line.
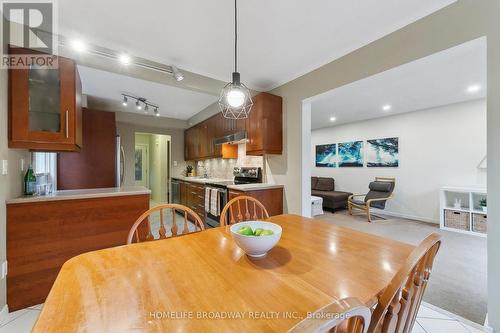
<point>45,167</point>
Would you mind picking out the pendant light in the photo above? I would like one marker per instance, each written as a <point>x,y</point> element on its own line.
<point>235,101</point>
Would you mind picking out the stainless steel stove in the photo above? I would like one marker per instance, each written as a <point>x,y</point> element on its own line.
<point>242,175</point>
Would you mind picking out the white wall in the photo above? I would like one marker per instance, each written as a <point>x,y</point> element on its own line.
<point>437,147</point>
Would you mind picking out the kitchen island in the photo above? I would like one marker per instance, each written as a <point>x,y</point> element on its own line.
<point>43,232</point>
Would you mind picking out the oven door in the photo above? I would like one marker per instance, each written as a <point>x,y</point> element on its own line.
<point>212,221</point>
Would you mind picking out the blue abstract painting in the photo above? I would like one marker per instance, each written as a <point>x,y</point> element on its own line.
<point>351,154</point>
<point>326,156</point>
<point>382,153</point>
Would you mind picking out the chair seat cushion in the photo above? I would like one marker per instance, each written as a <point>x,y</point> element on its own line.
<point>359,202</point>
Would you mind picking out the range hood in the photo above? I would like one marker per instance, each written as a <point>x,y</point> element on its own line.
<point>234,138</point>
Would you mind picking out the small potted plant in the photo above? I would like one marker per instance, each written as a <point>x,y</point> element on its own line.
<point>483,204</point>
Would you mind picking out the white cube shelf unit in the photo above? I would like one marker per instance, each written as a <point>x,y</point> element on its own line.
<point>469,218</point>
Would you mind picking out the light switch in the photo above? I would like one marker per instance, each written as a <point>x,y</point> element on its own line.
<point>23,164</point>
<point>5,167</point>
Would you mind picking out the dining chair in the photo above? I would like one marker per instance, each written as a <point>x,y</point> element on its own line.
<point>347,315</point>
<point>381,190</point>
<point>398,305</point>
<point>145,232</point>
<point>243,208</point>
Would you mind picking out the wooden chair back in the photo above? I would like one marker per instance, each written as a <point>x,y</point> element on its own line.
<point>145,233</point>
<point>347,315</point>
<point>398,306</point>
<point>243,208</point>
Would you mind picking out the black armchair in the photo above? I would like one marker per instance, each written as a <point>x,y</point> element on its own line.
<point>381,190</point>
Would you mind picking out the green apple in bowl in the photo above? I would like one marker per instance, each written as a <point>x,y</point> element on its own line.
<point>256,238</point>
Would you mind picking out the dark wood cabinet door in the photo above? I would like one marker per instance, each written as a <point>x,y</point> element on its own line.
<point>272,198</point>
<point>95,165</point>
<point>265,125</point>
<point>45,107</point>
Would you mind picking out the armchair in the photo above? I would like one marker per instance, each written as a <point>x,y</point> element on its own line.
<point>381,190</point>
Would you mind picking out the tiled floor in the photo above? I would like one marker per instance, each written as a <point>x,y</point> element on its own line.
<point>429,320</point>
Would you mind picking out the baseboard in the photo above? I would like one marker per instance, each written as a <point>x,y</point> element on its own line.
<point>3,314</point>
<point>405,216</point>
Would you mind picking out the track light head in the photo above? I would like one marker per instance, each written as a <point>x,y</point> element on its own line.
<point>125,101</point>
<point>178,76</point>
<point>124,59</point>
<point>138,105</point>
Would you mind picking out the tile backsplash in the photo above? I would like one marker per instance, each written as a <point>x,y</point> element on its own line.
<point>223,168</point>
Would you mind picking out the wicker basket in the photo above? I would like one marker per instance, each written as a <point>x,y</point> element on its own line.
<point>479,223</point>
<point>457,220</point>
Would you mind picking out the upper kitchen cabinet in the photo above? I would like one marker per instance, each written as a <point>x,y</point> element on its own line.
<point>264,132</point>
<point>45,111</point>
<point>264,126</point>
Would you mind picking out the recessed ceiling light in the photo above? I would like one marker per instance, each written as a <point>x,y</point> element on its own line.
<point>333,118</point>
<point>78,45</point>
<point>387,107</point>
<point>474,88</point>
<point>124,58</point>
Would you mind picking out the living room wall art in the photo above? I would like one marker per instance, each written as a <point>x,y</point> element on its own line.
<point>326,156</point>
<point>351,154</point>
<point>382,153</point>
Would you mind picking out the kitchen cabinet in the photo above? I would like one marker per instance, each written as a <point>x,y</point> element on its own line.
<point>271,198</point>
<point>264,129</point>
<point>95,165</point>
<point>199,140</point>
<point>44,235</point>
<point>192,195</point>
<point>45,112</point>
<point>264,125</point>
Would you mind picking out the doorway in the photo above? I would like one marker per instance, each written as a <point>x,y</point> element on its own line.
<point>153,165</point>
<point>142,165</point>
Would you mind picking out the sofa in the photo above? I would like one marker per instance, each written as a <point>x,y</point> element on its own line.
<point>324,187</point>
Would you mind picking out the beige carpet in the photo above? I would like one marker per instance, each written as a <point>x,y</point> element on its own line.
<point>458,281</point>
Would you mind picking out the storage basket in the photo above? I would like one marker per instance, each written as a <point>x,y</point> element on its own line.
<point>457,220</point>
<point>479,223</point>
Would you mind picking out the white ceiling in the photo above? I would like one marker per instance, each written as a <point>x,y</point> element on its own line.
<point>173,102</point>
<point>279,40</point>
<point>436,80</point>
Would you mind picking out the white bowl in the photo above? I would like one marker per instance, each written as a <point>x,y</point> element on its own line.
<point>256,246</point>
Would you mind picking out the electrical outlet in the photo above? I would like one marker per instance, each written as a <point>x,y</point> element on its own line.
<point>5,167</point>
<point>4,269</point>
<point>175,163</point>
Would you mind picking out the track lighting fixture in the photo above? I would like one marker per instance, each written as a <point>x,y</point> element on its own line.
<point>141,103</point>
<point>178,76</point>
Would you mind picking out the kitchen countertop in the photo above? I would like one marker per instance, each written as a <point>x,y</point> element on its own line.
<point>83,194</point>
<point>238,187</point>
<point>254,187</point>
<point>202,180</point>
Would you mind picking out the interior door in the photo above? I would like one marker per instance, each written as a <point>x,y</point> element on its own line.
<point>142,165</point>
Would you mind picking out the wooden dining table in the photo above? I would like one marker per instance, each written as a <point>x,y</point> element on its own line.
<point>203,282</point>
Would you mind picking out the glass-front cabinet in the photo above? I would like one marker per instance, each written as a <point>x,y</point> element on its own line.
<point>45,107</point>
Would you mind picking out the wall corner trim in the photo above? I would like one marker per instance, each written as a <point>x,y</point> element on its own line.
<point>3,314</point>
